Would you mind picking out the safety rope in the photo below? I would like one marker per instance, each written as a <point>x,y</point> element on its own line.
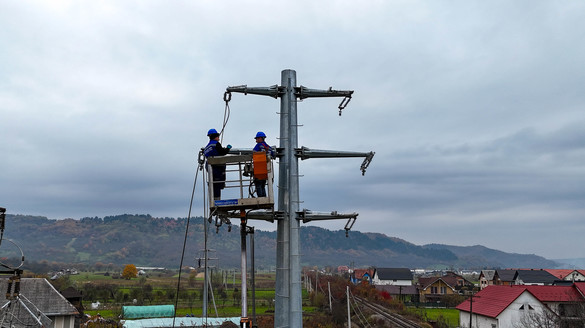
<point>184,246</point>
<point>205,232</point>
<point>227,96</point>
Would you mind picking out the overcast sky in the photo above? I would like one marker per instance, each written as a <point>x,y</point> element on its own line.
<point>475,109</point>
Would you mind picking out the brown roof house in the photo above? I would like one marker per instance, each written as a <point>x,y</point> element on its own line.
<point>38,304</point>
<point>432,289</point>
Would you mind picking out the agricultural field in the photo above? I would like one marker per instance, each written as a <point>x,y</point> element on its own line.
<point>158,288</point>
<point>446,317</point>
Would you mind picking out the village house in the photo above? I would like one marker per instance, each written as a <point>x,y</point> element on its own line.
<point>533,277</point>
<point>75,297</point>
<point>392,276</point>
<point>568,274</point>
<point>342,269</point>
<point>499,306</point>
<point>360,275</point>
<point>37,296</point>
<point>486,278</point>
<point>433,289</point>
<point>402,293</point>
<point>504,277</point>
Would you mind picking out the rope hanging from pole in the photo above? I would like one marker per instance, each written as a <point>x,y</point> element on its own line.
<point>184,246</point>
<point>227,96</point>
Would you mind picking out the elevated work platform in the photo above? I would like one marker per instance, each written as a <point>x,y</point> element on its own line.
<point>240,191</point>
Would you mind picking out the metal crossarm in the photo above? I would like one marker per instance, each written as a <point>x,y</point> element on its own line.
<point>273,91</point>
<point>308,216</point>
<point>305,153</point>
<point>304,92</point>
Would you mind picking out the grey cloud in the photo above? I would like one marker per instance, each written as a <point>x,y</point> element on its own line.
<point>474,109</point>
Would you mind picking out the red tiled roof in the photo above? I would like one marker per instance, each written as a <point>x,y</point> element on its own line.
<point>560,273</point>
<point>555,293</point>
<point>492,300</point>
<point>359,273</point>
<point>580,287</point>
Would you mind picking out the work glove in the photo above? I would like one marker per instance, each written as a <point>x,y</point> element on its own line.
<point>229,147</point>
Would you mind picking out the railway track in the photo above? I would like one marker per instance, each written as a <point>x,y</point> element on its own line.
<point>395,319</point>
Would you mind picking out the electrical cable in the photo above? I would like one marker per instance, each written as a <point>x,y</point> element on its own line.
<point>5,313</point>
<point>2,223</point>
<point>358,316</point>
<point>184,246</point>
<point>359,308</point>
<point>321,288</point>
<point>15,317</point>
<point>21,257</point>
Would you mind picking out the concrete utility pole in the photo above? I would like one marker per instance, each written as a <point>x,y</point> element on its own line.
<point>288,299</point>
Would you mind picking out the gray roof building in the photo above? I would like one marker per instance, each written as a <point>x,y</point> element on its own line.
<point>534,277</point>
<point>488,274</point>
<point>37,298</point>
<point>392,276</point>
<point>504,276</point>
<point>393,273</point>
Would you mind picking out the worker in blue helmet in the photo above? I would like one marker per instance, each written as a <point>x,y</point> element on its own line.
<point>261,145</point>
<point>214,148</point>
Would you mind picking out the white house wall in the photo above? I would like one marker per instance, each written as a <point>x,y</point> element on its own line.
<point>521,282</point>
<point>57,322</point>
<point>376,281</point>
<point>575,276</point>
<point>477,321</point>
<point>63,322</point>
<point>509,318</point>
<point>513,315</point>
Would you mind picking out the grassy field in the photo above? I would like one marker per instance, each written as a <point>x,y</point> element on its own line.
<point>448,316</point>
<point>228,311</point>
<point>163,291</point>
<point>159,288</point>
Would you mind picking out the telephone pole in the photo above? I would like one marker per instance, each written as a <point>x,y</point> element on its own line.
<point>288,299</point>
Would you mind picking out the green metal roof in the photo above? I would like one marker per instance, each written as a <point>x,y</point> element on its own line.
<point>150,311</point>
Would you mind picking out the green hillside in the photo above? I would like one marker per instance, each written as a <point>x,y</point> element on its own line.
<point>144,240</point>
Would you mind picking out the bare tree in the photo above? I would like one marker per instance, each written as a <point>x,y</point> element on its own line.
<point>565,315</point>
<point>533,318</point>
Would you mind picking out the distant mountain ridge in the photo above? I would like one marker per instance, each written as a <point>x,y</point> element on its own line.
<point>144,240</point>
<point>476,255</point>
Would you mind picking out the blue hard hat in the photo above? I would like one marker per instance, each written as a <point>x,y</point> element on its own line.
<point>211,131</point>
<point>260,134</point>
